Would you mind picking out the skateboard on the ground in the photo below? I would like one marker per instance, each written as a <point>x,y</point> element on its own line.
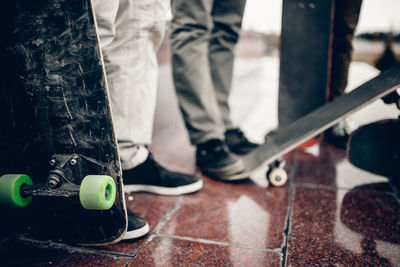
<point>375,148</point>
<point>58,153</point>
<point>306,44</point>
<point>315,123</point>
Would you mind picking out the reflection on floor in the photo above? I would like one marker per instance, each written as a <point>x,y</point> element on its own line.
<point>329,213</point>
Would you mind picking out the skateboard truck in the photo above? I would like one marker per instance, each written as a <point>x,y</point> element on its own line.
<point>392,98</point>
<point>69,177</point>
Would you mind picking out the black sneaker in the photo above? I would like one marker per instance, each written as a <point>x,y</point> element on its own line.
<point>338,135</point>
<point>238,142</point>
<point>137,226</point>
<point>153,178</point>
<point>271,135</point>
<point>214,158</point>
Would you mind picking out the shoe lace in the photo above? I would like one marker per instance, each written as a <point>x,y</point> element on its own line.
<point>238,134</point>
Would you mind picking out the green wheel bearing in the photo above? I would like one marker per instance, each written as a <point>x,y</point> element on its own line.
<point>97,192</point>
<point>10,190</point>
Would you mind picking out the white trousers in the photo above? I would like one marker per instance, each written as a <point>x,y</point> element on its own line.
<point>131,31</point>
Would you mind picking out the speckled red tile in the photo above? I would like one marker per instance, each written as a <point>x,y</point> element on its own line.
<point>174,252</point>
<point>27,254</point>
<point>327,165</point>
<point>150,207</point>
<point>344,228</point>
<point>237,213</point>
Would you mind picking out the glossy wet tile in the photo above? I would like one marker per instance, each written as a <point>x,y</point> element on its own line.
<point>239,213</point>
<point>150,207</point>
<point>28,254</point>
<point>165,251</point>
<point>327,165</point>
<point>344,227</point>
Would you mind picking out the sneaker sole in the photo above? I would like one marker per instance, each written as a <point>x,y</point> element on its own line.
<point>162,190</point>
<point>225,172</point>
<point>136,233</point>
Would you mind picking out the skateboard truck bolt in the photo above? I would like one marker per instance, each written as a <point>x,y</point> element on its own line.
<point>74,161</point>
<point>53,181</point>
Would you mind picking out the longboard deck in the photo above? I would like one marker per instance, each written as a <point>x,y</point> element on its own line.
<point>375,148</point>
<point>55,101</point>
<point>306,44</point>
<point>318,121</point>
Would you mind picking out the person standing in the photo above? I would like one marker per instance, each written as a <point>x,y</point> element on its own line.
<point>131,32</point>
<point>203,36</point>
<point>346,17</point>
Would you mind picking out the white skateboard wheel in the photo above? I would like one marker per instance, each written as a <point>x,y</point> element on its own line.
<point>278,177</point>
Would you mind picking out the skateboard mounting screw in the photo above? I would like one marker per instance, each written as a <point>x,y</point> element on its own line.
<point>52,162</point>
<point>73,161</point>
<point>53,182</point>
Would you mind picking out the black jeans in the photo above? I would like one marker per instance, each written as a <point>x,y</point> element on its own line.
<point>346,17</point>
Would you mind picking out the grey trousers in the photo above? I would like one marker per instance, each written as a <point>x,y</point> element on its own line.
<point>203,37</point>
<point>131,32</point>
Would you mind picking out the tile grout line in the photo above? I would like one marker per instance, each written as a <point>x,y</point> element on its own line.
<point>396,192</point>
<point>219,243</point>
<point>71,248</point>
<point>130,261</point>
<point>292,188</point>
<point>161,224</point>
<point>168,215</point>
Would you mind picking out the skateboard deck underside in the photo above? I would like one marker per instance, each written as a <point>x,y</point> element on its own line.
<point>55,101</point>
<point>319,120</point>
<point>305,58</point>
<point>376,148</point>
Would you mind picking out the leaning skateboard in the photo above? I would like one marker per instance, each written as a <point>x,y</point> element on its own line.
<point>306,44</point>
<point>58,151</point>
<point>315,123</point>
<point>375,148</point>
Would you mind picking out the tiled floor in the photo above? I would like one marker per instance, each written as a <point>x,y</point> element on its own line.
<point>329,213</point>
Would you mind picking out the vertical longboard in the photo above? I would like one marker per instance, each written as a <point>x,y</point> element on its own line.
<point>56,120</point>
<point>305,57</point>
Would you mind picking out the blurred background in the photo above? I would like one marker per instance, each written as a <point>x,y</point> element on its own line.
<point>254,95</point>
<point>262,26</point>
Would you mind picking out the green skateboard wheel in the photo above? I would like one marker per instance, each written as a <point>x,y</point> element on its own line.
<point>97,192</point>
<point>10,190</point>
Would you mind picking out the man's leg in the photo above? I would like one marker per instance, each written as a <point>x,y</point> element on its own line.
<point>106,13</point>
<point>131,65</point>
<point>227,20</point>
<point>190,35</point>
<point>345,22</point>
